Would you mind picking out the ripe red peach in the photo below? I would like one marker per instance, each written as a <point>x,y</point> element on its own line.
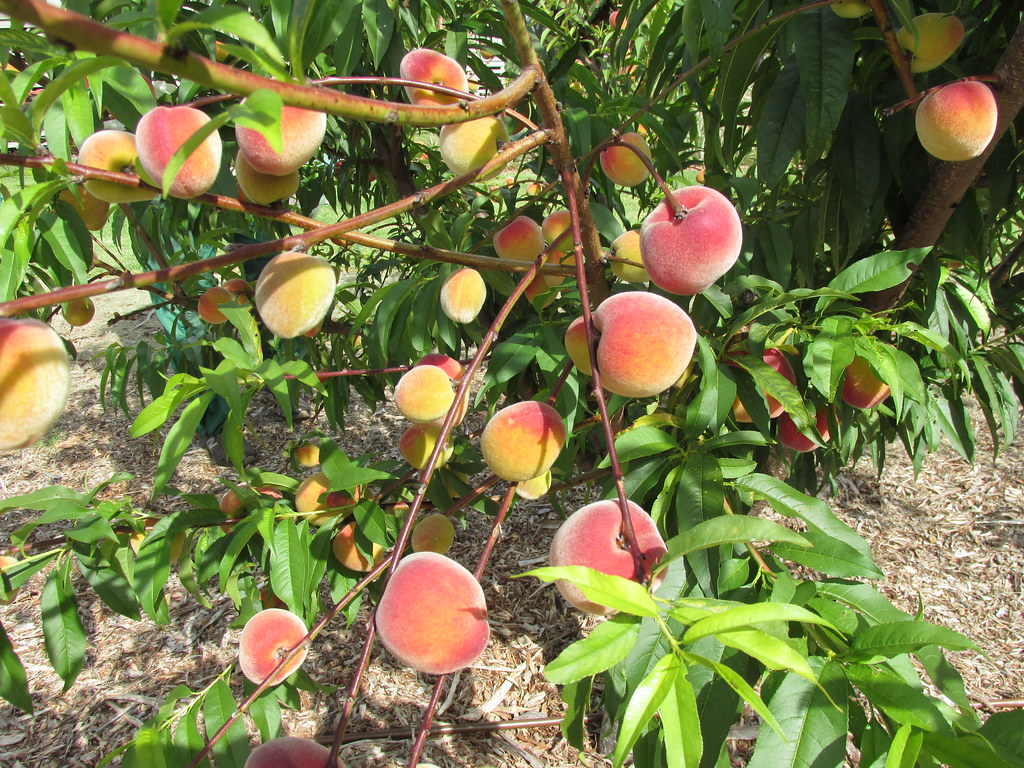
<point>427,66</point>
<point>432,616</point>
<point>89,208</point>
<point>463,295</point>
<point>937,37</point>
<point>686,256</point>
<point>294,292</point>
<point>265,639</point>
<point>113,150</point>
<point>417,443</point>
<point>35,379</point>
<point>523,440</point>
<point>79,312</point>
<point>777,360</point>
<point>434,533</point>
<point>344,547</point>
<point>302,132</point>
<point>263,188</point>
<point>160,133</point>
<point>627,246</point>
<point>861,387</point>
<point>644,345</point>
<point>289,752</point>
<point>621,164</point>
<point>450,366</point>
<point>520,240</point>
<point>593,536</point>
<point>850,9</point>
<point>958,121</point>
<point>557,229</point>
<point>793,438</point>
<point>424,393</point>
<point>467,147</point>
<point>7,597</point>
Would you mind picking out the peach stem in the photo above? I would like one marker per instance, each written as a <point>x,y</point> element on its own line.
<point>899,57</point>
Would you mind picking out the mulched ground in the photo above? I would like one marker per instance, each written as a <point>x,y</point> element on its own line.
<point>954,536</point>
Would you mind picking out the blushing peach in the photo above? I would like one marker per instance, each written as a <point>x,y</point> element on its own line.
<point>463,295</point>
<point>314,498</point>
<point>35,379</point>
<point>113,150</point>
<point>467,147</point>
<point>644,345</point>
<point>958,121</point>
<point>79,312</point>
<point>344,547</point>
<point>535,487</point>
<point>434,533</point>
<point>777,360</point>
<point>210,301</point>
<point>557,229</point>
<point>593,536</point>
<point>627,246</point>
<point>90,208</point>
<point>417,443</point>
<point>861,387</point>
<point>449,365</point>
<point>520,240</point>
<point>294,292</point>
<point>427,66</point>
<point>263,188</point>
<point>793,438</point>
<point>160,133</point>
<point>432,616</point>
<point>289,752</point>
<point>523,440</point>
<point>424,393</point>
<point>850,9</point>
<point>308,454</point>
<point>686,256</point>
<point>937,37</point>
<point>231,504</point>
<point>265,639</point>
<point>302,132</point>
<point>621,164</point>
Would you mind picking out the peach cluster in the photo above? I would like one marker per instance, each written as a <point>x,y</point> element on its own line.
<point>522,239</point>
<point>265,175</point>
<point>35,379</point>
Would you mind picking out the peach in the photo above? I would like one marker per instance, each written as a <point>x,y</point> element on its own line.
<point>850,9</point>
<point>424,393</point>
<point>686,256</point>
<point>160,133</point>
<point>861,387</point>
<point>240,287</point>
<point>417,443</point>
<point>264,641</point>
<point>593,536</point>
<point>533,189</point>
<point>35,379</point>
<point>313,496</point>
<point>289,752</point>
<point>231,504</point>
<point>79,312</point>
<point>89,208</point>
<point>113,150</point>
<point>210,301</point>
<point>432,616</point>
<point>621,164</point>
<point>644,345</point>
<point>519,240</point>
<point>933,40</point>
<point>467,147</point>
<point>627,246</point>
<point>557,229</point>
<point>450,366</point>
<point>307,454</point>
<point>263,188</point>
<point>777,360</point>
<point>791,437</point>
<point>7,596</point>
<point>344,547</point>
<point>136,539</point>
<point>958,121</point>
<point>294,292</point>
<point>523,440</point>
<point>434,533</point>
<point>543,283</point>
<point>463,295</point>
<point>535,487</point>
<point>460,408</point>
<point>427,66</point>
<point>302,132</point>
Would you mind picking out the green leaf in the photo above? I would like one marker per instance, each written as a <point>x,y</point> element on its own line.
<point>640,442</point>
<point>645,701</point>
<point>829,354</point>
<point>751,615</point>
<point>814,721</point>
<point>608,644</point>
<point>1005,731</point>
<point>830,556</point>
<point>884,641</point>
<point>178,439</point>
<point>769,650</point>
<point>577,703</point>
<point>781,130</point>
<point>964,751</point>
<point>730,529</point>
<point>218,705</point>
<point>379,25</point>
<point>615,592</point>
<point>13,680</point>
<point>824,50</point>
<point>232,20</point>
<point>63,633</point>
<point>290,564</point>
<point>905,747</point>
<point>903,703</point>
<point>878,272</point>
<point>73,75</point>
<point>680,724</point>
<point>735,681</point>
<point>148,748</point>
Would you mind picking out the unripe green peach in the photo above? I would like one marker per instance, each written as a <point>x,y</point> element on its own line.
<point>263,188</point>
<point>467,147</point>
<point>79,312</point>
<point>160,133</point>
<point>434,533</point>
<point>627,246</point>
<point>621,164</point>
<point>113,150</point>
<point>850,9</point>
<point>35,379</point>
<point>427,66</point>
<point>302,132</point>
<point>424,393</point>
<point>938,36</point>
<point>463,295</point>
<point>265,639</point>
<point>294,292</point>
<point>523,440</point>
<point>958,121</point>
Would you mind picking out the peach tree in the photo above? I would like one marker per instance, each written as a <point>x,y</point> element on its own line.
<point>699,256</point>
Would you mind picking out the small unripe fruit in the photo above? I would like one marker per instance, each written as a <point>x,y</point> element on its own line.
<point>627,246</point>
<point>79,312</point>
<point>434,533</point>
<point>535,487</point>
<point>850,9</point>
